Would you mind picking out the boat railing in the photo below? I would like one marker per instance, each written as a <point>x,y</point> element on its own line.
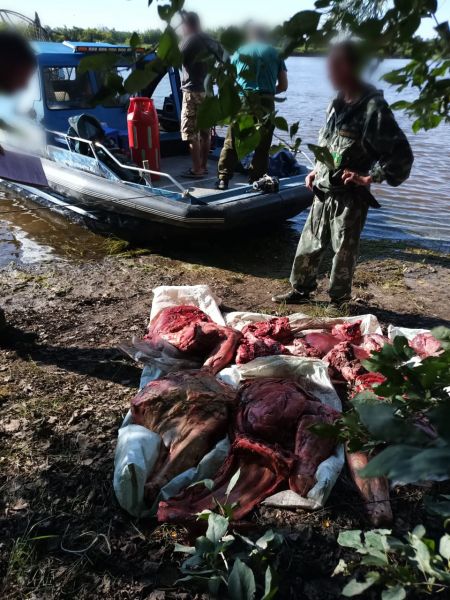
<point>94,145</point>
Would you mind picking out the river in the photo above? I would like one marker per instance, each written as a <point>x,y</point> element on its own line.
<point>418,211</point>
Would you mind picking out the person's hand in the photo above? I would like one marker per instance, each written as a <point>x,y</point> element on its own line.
<point>352,177</point>
<point>309,180</point>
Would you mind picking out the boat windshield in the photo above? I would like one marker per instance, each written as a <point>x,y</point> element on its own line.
<point>67,87</point>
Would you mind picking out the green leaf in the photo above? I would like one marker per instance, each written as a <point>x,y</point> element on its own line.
<point>140,78</point>
<point>217,527</point>
<point>233,482</point>
<point>247,143</point>
<point>400,105</point>
<point>269,536</point>
<point>351,539</point>
<point>241,582</point>
<point>168,51</point>
<point>439,506</point>
<point>444,546</point>
<point>98,62</point>
<point>167,11</point>
<point>443,335</point>
<point>410,464</point>
<point>302,23</point>
<point>323,155</point>
<point>184,549</point>
<point>135,40</point>
<point>281,123</point>
<point>394,593</point>
<point>354,587</point>
<point>232,38</point>
<point>270,589</point>
<point>293,129</point>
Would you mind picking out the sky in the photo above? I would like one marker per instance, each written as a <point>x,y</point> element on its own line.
<point>132,15</point>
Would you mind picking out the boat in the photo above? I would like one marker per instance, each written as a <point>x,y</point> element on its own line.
<point>102,185</point>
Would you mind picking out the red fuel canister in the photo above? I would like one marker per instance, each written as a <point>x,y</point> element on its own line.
<point>143,133</point>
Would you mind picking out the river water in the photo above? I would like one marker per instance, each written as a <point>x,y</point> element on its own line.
<point>418,211</point>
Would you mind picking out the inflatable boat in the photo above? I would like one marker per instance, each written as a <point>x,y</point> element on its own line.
<point>101,182</point>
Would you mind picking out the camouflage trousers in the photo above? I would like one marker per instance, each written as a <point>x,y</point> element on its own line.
<point>337,220</point>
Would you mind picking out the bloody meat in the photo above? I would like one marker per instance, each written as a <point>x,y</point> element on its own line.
<point>273,446</point>
<point>195,335</point>
<point>191,411</point>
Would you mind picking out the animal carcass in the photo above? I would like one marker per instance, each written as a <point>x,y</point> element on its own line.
<point>195,335</point>
<point>191,412</point>
<point>273,446</point>
<point>264,338</point>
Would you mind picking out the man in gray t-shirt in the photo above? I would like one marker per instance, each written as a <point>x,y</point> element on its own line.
<point>195,48</point>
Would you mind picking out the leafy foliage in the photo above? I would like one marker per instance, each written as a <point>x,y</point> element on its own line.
<point>398,566</point>
<point>406,418</point>
<point>223,559</point>
<point>382,27</point>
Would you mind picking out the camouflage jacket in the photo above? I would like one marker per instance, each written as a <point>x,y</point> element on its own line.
<point>364,137</point>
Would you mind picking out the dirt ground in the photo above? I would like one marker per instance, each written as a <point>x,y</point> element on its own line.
<point>64,389</point>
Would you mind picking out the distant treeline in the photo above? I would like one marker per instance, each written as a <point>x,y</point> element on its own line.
<point>101,34</point>
<point>151,37</point>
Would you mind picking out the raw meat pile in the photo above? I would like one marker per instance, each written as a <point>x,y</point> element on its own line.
<point>191,410</point>
<point>264,338</point>
<point>195,335</point>
<point>342,348</point>
<point>272,446</point>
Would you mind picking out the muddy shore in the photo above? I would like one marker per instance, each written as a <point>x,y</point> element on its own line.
<point>64,389</point>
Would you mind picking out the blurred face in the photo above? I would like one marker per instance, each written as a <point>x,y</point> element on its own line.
<point>14,80</point>
<point>340,71</point>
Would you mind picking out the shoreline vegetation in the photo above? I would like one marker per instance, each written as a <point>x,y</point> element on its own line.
<point>65,388</point>
<point>151,37</point>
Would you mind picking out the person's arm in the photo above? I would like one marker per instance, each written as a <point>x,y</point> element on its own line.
<point>282,84</point>
<point>388,144</point>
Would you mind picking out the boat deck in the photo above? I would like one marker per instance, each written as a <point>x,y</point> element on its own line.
<point>205,186</point>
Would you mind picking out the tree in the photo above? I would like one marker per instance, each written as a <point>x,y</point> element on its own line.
<point>382,27</point>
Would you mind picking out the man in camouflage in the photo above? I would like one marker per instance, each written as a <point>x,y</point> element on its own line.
<point>366,146</point>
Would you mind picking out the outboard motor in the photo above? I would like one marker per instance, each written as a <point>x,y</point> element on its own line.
<point>89,128</point>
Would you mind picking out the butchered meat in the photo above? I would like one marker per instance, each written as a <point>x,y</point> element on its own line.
<point>195,335</point>
<point>372,342</point>
<point>300,347</point>
<point>343,363</point>
<point>274,447</point>
<point>269,409</point>
<point>322,341</point>
<point>264,338</point>
<point>348,332</point>
<point>263,468</point>
<point>191,411</point>
<point>310,449</point>
<point>425,345</point>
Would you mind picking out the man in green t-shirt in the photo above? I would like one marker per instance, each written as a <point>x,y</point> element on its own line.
<point>261,73</point>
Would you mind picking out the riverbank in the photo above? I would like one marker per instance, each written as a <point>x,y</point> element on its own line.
<point>64,390</point>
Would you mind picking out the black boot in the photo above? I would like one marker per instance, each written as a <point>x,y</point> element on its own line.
<point>292,296</point>
<point>221,184</point>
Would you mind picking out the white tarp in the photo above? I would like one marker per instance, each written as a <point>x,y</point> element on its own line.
<point>134,464</point>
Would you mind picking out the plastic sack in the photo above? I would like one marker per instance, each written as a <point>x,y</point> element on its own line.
<point>407,332</point>
<point>206,469</point>
<point>313,376</point>
<point>191,295</point>
<point>137,451</point>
